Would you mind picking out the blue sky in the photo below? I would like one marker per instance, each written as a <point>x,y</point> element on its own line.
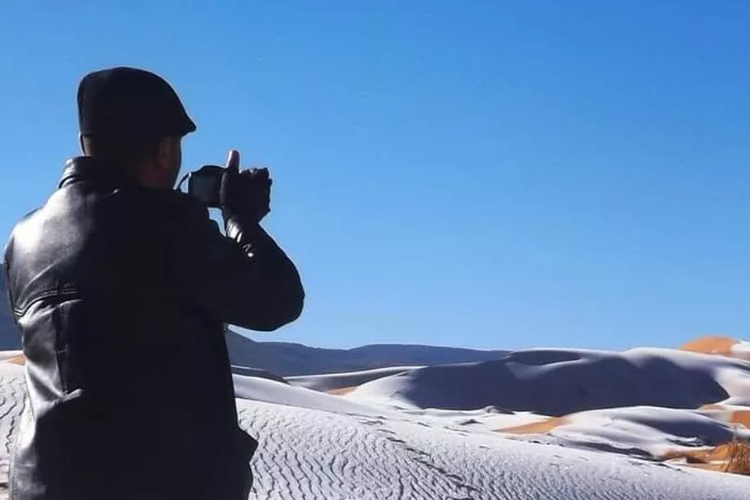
<point>484,174</point>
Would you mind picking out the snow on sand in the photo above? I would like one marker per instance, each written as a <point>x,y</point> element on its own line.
<point>313,447</point>
<point>574,425</point>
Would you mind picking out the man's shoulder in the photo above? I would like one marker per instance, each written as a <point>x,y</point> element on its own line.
<point>139,205</point>
<point>24,221</point>
<point>180,206</point>
<point>26,218</point>
<point>181,215</point>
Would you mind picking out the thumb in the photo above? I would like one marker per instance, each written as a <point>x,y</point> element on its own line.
<point>233,161</point>
<point>228,179</point>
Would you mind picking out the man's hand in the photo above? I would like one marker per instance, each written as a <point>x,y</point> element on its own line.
<point>246,193</point>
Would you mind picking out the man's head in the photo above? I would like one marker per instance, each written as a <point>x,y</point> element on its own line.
<point>133,118</point>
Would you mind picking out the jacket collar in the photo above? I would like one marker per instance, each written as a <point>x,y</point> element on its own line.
<point>87,168</point>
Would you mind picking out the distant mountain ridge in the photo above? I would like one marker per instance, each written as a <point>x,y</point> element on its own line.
<point>287,359</point>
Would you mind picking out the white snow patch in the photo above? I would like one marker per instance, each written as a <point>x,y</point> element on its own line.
<point>332,381</point>
<point>318,446</point>
<point>560,382</point>
<point>741,350</point>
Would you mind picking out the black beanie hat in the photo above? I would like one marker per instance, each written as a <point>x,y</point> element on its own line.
<point>129,102</point>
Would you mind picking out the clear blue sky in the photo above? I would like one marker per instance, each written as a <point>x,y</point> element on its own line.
<point>484,174</point>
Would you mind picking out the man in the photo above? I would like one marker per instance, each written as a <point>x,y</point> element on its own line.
<point>121,287</point>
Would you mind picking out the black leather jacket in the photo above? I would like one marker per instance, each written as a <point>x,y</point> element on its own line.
<point>122,294</point>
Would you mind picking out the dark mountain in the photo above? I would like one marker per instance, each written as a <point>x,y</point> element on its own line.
<point>296,359</point>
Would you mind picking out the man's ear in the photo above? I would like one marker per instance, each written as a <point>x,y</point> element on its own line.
<point>163,153</point>
<point>80,143</point>
<point>168,154</point>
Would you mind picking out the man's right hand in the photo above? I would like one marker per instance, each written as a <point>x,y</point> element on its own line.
<point>247,193</point>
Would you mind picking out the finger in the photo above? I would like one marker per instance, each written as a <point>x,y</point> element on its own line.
<point>257,174</point>
<point>233,160</point>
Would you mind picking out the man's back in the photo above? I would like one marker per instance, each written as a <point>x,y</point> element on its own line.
<point>121,293</point>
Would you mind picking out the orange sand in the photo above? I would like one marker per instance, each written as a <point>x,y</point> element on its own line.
<point>342,391</point>
<point>711,345</point>
<point>537,427</point>
<point>702,456</point>
<point>17,360</point>
<point>740,417</point>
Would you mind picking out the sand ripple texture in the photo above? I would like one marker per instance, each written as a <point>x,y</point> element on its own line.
<point>311,452</point>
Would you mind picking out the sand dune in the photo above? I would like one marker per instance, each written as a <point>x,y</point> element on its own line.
<point>650,432</point>
<point>316,446</point>
<point>711,345</point>
<point>560,382</point>
<point>536,424</point>
<point>322,455</point>
<point>657,404</point>
<point>345,381</point>
<point>722,346</point>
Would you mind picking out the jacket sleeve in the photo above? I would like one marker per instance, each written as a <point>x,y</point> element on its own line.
<point>243,278</point>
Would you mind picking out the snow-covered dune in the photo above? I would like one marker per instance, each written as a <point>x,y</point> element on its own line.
<point>315,454</point>
<point>318,446</point>
<point>350,380</point>
<point>651,432</point>
<point>559,382</point>
<point>384,444</point>
<point>657,404</point>
<point>536,424</point>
